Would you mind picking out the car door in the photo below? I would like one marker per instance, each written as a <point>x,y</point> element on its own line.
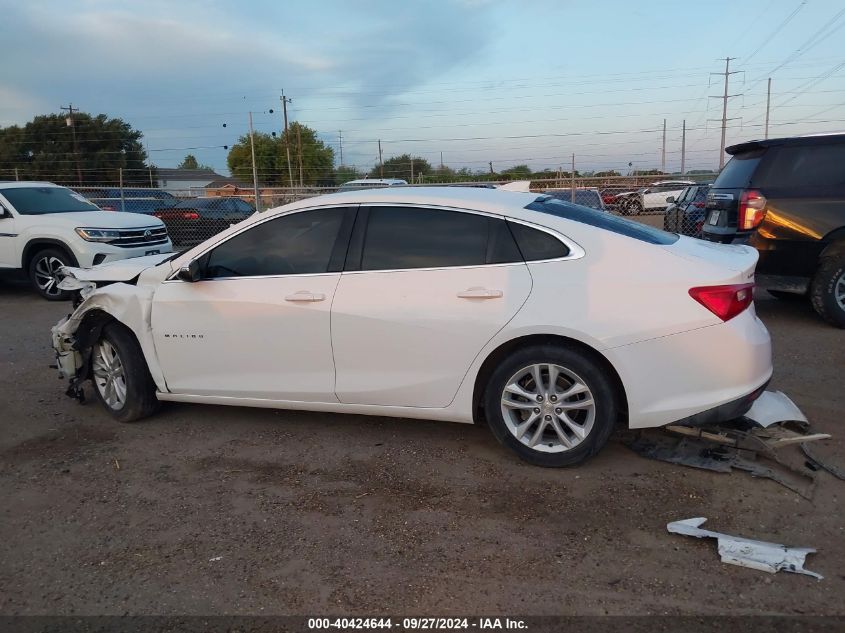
<point>9,249</point>
<point>656,197</point>
<point>257,322</point>
<point>423,291</point>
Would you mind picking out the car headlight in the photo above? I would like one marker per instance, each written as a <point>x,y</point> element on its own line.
<point>97,235</point>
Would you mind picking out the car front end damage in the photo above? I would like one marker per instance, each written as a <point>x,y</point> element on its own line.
<point>97,302</point>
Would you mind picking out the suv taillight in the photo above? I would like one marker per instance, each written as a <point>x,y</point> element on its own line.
<point>752,210</point>
<point>724,301</point>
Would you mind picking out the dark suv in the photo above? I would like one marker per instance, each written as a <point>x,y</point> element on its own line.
<point>786,197</point>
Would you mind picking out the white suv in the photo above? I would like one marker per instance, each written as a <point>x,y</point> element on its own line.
<point>44,227</point>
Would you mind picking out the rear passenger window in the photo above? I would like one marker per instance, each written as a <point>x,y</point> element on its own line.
<point>808,166</point>
<point>406,237</point>
<point>536,245</point>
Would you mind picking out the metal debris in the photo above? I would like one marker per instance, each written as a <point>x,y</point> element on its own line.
<point>836,471</point>
<point>761,555</point>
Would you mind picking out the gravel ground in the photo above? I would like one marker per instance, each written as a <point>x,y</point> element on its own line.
<point>217,510</point>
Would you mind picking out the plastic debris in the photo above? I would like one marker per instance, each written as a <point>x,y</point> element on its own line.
<point>760,555</point>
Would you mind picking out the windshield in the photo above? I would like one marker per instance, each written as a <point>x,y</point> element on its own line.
<point>45,200</point>
<point>602,220</point>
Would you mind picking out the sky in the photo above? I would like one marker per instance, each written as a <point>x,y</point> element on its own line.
<point>507,82</point>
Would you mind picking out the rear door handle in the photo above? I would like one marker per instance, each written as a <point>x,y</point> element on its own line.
<point>477,292</point>
<point>304,295</point>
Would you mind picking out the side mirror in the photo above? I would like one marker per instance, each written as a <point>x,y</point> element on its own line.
<point>189,273</point>
<point>5,213</point>
<point>670,199</point>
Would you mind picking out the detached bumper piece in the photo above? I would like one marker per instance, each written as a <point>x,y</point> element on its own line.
<point>753,443</point>
<point>734,550</point>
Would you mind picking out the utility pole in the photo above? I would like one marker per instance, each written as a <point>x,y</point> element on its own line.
<point>663,153</point>
<point>340,143</point>
<point>768,102</point>
<point>17,176</point>
<point>299,151</point>
<point>441,161</point>
<point>724,97</point>
<point>71,122</point>
<point>254,170</point>
<point>285,101</point>
<point>683,146</point>
<point>573,179</point>
<point>412,171</point>
<point>122,198</point>
<point>491,168</point>
<point>380,163</point>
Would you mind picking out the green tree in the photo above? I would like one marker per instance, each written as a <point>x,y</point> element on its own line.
<point>271,158</point>
<point>44,149</point>
<point>190,162</point>
<point>345,173</point>
<point>400,167</point>
<point>518,172</point>
<point>607,174</point>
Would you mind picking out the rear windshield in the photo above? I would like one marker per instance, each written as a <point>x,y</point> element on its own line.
<point>44,200</point>
<point>602,220</point>
<point>739,170</point>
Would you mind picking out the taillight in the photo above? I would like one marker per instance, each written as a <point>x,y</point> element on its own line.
<point>191,215</point>
<point>752,210</point>
<point>108,207</point>
<point>724,301</point>
<point>698,205</point>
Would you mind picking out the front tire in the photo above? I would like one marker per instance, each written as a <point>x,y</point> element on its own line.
<point>43,270</point>
<point>553,406</point>
<point>122,381</point>
<point>827,291</point>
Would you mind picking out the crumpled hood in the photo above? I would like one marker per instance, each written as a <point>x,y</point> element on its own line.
<point>120,270</point>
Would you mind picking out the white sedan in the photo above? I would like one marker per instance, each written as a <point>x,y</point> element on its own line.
<point>552,321</point>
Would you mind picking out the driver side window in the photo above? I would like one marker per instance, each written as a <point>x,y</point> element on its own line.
<point>294,244</point>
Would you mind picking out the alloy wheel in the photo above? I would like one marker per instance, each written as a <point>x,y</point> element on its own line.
<point>46,270</point>
<point>839,291</point>
<point>548,408</point>
<point>109,375</point>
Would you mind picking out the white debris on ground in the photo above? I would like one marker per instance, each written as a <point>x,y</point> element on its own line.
<point>761,555</point>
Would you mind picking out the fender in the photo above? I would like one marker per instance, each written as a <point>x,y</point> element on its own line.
<point>131,305</point>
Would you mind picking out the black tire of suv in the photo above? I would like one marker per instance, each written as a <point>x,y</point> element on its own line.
<point>822,291</point>
<point>49,254</point>
<point>593,375</point>
<point>141,401</point>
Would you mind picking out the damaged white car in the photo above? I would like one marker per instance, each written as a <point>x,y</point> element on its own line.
<point>552,321</point>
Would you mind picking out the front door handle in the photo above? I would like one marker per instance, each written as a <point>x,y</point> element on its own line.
<point>478,292</point>
<point>304,295</point>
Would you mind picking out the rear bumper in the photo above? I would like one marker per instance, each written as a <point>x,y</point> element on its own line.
<point>728,411</point>
<point>677,377</point>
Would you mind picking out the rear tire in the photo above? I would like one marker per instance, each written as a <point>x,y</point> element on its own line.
<point>827,292</point>
<point>122,381</point>
<point>541,423</point>
<point>42,273</point>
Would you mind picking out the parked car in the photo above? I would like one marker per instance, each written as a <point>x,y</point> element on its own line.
<point>44,227</point>
<point>132,200</point>
<point>191,221</point>
<point>651,198</point>
<point>586,197</point>
<point>686,214</point>
<point>786,198</point>
<point>371,183</point>
<point>441,303</point>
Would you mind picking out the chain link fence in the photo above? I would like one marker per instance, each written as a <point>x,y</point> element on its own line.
<point>675,205</point>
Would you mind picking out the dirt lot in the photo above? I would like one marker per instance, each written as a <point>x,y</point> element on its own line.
<point>207,510</point>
